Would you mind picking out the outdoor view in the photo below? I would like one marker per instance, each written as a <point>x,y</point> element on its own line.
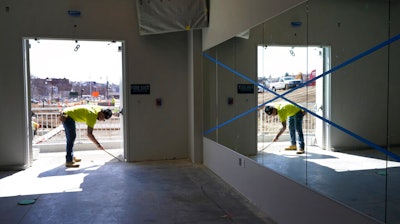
<point>64,73</point>
<point>281,68</point>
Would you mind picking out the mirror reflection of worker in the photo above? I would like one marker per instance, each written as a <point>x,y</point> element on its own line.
<point>88,114</point>
<point>288,111</point>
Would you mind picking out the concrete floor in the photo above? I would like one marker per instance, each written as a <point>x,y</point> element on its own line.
<point>361,179</point>
<point>104,190</point>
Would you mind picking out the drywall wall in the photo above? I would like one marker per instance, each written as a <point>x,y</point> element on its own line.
<point>361,96</point>
<point>151,132</point>
<point>394,68</point>
<point>229,18</point>
<point>282,199</point>
<point>363,99</point>
<point>360,89</point>
<point>223,103</point>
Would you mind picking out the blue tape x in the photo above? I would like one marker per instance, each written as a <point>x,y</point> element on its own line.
<point>351,60</point>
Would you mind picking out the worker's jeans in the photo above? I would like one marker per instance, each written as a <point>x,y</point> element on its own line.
<point>296,125</point>
<point>70,133</point>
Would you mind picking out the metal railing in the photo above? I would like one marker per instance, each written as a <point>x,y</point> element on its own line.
<point>50,128</point>
<point>48,120</point>
<point>271,124</point>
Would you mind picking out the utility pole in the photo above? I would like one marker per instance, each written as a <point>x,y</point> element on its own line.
<point>107,89</point>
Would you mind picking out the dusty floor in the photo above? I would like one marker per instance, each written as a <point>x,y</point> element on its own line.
<point>362,179</point>
<point>104,190</point>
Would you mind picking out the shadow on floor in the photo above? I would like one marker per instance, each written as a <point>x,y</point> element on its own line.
<point>103,190</point>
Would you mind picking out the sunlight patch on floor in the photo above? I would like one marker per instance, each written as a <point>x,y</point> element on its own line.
<point>338,161</point>
<point>49,175</point>
<point>24,183</point>
<point>342,162</point>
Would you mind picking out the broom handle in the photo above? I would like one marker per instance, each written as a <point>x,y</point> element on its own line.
<point>111,155</point>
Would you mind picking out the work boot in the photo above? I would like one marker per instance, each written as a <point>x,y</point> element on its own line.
<point>292,147</point>
<point>76,160</point>
<point>71,165</point>
<point>300,151</point>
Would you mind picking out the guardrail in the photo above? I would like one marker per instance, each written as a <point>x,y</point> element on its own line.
<point>48,120</point>
<point>271,124</point>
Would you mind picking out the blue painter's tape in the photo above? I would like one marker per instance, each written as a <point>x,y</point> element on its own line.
<point>352,134</point>
<point>351,60</point>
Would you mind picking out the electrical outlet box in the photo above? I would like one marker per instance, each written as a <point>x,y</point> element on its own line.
<point>241,162</point>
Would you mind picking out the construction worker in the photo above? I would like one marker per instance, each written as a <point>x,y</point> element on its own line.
<point>88,114</point>
<point>35,127</point>
<point>288,111</point>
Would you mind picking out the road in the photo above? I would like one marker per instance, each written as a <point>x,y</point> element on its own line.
<point>302,95</point>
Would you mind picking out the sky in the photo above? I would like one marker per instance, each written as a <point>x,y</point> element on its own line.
<point>276,61</point>
<point>100,61</point>
<point>96,61</point>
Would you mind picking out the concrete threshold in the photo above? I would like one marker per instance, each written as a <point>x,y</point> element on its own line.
<point>79,146</point>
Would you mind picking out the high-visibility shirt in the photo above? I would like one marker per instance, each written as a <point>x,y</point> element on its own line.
<point>286,110</point>
<point>83,113</point>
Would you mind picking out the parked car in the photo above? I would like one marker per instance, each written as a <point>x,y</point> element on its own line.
<point>285,82</point>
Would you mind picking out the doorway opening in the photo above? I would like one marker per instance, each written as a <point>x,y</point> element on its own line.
<point>278,66</point>
<point>64,73</point>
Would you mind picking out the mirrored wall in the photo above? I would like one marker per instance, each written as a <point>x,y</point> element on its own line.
<point>336,60</point>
